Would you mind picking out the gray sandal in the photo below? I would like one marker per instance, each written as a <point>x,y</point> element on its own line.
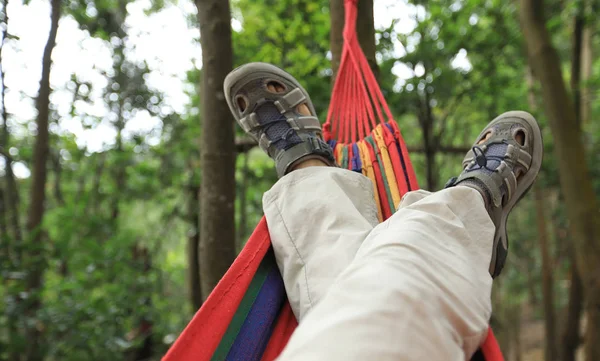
<point>272,118</point>
<point>504,170</point>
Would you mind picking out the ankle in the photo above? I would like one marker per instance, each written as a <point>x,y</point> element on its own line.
<point>474,185</point>
<point>306,163</point>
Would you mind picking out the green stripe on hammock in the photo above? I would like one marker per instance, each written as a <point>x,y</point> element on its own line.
<point>344,161</point>
<point>244,308</point>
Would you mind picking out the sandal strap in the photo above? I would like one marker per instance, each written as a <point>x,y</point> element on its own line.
<point>492,183</point>
<point>249,122</point>
<point>310,146</point>
<point>290,101</point>
<point>303,122</point>
<point>518,156</point>
<point>510,179</point>
<point>513,153</point>
<point>503,174</point>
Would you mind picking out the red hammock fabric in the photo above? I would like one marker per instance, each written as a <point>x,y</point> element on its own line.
<point>206,329</point>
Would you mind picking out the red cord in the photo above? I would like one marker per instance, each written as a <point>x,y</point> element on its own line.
<point>357,103</point>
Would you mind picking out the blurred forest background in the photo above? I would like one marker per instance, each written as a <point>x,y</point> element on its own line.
<point>124,196</point>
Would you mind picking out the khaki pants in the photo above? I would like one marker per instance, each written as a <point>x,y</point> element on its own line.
<point>415,287</point>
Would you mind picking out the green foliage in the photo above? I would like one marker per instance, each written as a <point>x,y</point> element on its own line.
<point>292,34</point>
<point>118,218</point>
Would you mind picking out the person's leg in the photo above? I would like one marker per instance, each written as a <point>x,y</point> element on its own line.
<point>419,286</point>
<point>424,264</point>
<point>317,215</point>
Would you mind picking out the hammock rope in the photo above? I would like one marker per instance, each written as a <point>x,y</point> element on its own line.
<point>247,316</point>
<point>360,121</point>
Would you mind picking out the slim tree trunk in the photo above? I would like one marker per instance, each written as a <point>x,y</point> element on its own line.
<point>11,195</point>
<point>576,59</point>
<point>426,121</point>
<point>550,351</point>
<point>57,179</point>
<point>4,244</point>
<point>365,27</point>
<point>571,332</point>
<point>547,278</point>
<point>500,320</point>
<point>580,199</point>
<point>194,286</point>
<point>36,261</point>
<point>119,79</point>
<point>119,174</point>
<point>580,71</point>
<point>515,333</point>
<point>142,258</point>
<point>533,297</point>
<point>586,70</point>
<point>217,211</point>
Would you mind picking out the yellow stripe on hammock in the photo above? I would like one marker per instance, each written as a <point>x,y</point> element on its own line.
<point>387,165</point>
<point>338,153</point>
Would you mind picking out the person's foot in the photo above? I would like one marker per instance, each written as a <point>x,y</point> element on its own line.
<point>502,166</point>
<point>273,108</point>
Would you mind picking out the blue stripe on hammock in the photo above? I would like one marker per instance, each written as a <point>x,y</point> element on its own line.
<point>256,331</point>
<point>356,162</point>
<point>332,143</point>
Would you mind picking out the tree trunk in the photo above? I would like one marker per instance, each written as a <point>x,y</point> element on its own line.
<point>194,286</point>
<point>571,331</point>
<point>426,120</point>
<point>515,334</point>
<point>120,79</point>
<point>57,179</point>
<point>119,174</point>
<point>550,351</point>
<point>13,221</point>
<point>4,244</point>
<point>547,278</point>
<point>500,321</point>
<point>580,199</point>
<point>36,261</point>
<point>217,223</point>
<point>586,72</point>
<point>576,59</point>
<point>142,258</point>
<point>365,28</point>
<point>580,71</point>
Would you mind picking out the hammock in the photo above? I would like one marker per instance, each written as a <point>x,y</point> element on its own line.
<point>247,316</point>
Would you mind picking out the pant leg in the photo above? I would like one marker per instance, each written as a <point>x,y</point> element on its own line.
<point>317,217</point>
<point>418,288</point>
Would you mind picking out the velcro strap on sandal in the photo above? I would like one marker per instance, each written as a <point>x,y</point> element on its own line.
<point>264,143</point>
<point>518,156</point>
<point>249,122</point>
<point>509,177</point>
<point>290,100</point>
<point>310,145</point>
<point>304,123</point>
<point>492,182</point>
